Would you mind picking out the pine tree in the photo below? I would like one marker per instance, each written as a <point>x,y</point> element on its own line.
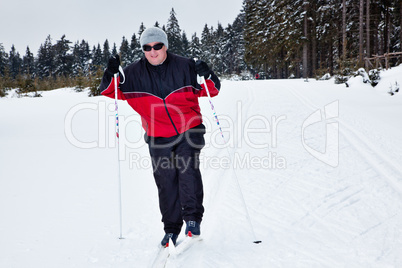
<point>236,45</point>
<point>217,48</point>
<point>15,62</point>
<point>63,58</point>
<point>125,53</point>
<point>76,59</point>
<point>273,35</point>
<point>85,57</point>
<point>80,82</point>
<point>114,49</point>
<point>81,59</point>
<point>4,73</point>
<point>97,58</point>
<point>136,52</point>
<point>46,61</point>
<point>206,44</point>
<point>393,21</point>
<point>186,45</point>
<point>141,30</point>
<point>106,53</point>
<point>252,35</point>
<point>174,34</point>
<point>28,63</point>
<point>229,55</point>
<point>94,82</point>
<point>327,32</point>
<point>3,60</point>
<point>195,47</point>
<point>6,81</point>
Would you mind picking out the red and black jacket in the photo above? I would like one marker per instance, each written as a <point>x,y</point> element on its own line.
<point>166,96</point>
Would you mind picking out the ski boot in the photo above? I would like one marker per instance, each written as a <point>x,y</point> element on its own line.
<point>165,240</point>
<point>192,228</point>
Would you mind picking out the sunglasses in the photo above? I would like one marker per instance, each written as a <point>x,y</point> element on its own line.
<point>155,47</point>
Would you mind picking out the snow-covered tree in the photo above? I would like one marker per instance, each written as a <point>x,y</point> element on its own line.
<point>106,53</point>
<point>28,63</point>
<point>217,48</point>
<point>174,34</point>
<point>46,59</point>
<point>114,49</point>
<point>15,62</point>
<point>206,44</point>
<point>3,59</point>
<point>185,44</point>
<point>63,59</point>
<point>195,47</point>
<point>278,38</point>
<point>97,58</point>
<point>136,52</point>
<point>81,59</point>
<point>125,53</point>
<point>141,29</point>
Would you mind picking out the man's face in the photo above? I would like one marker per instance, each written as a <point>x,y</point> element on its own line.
<point>155,57</point>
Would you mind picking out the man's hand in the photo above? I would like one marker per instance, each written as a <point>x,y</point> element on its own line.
<point>113,64</point>
<point>202,69</point>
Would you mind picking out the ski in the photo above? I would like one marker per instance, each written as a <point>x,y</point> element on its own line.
<point>171,250</point>
<point>163,254</point>
<point>184,245</point>
<point>161,258</point>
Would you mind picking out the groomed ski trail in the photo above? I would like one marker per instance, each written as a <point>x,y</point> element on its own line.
<point>309,212</point>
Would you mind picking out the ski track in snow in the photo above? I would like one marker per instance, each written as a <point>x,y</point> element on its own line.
<point>383,164</point>
<point>307,214</point>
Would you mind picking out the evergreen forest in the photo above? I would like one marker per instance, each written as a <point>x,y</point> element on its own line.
<point>276,39</point>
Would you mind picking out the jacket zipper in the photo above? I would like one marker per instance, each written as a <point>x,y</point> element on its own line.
<point>164,102</point>
<point>171,120</point>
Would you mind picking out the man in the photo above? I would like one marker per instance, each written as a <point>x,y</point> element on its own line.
<point>163,89</point>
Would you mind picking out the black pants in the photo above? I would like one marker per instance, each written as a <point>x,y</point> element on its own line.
<point>175,162</point>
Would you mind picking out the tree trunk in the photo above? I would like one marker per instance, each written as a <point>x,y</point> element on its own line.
<point>305,44</point>
<point>386,30</point>
<point>368,54</point>
<point>375,32</point>
<point>331,59</point>
<point>361,27</point>
<point>314,48</point>
<point>400,25</point>
<point>343,30</point>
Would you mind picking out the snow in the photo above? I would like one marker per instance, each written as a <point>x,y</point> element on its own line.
<point>319,167</point>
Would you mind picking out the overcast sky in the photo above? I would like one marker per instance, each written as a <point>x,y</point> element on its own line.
<point>28,22</point>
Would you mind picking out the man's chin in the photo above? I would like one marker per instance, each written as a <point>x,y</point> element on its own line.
<point>153,61</point>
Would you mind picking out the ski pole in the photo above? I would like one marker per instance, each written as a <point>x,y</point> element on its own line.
<point>236,178</point>
<point>118,152</point>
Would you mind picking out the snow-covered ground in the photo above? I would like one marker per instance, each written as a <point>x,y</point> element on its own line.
<point>319,167</point>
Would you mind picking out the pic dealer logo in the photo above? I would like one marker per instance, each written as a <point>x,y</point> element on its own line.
<point>92,125</point>
<point>256,132</point>
<point>330,155</point>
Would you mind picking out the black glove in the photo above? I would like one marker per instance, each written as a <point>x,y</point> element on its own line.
<point>113,64</point>
<point>202,69</point>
